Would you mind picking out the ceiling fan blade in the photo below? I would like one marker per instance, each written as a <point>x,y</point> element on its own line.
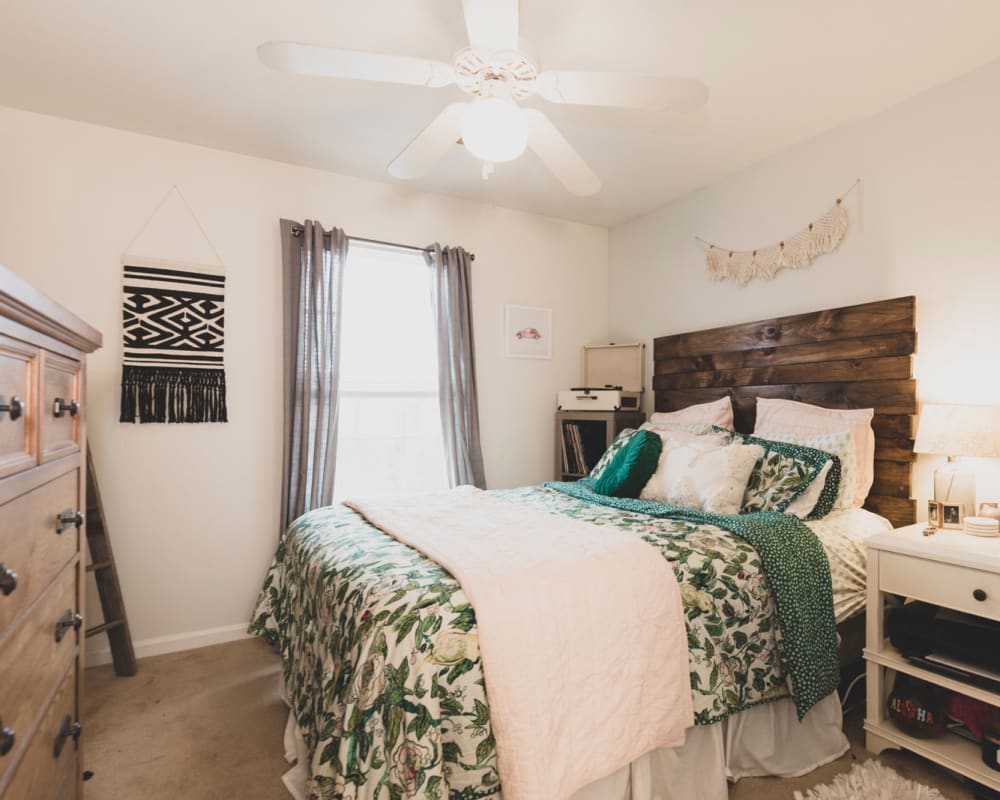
<point>622,89</point>
<point>332,62</point>
<point>430,145</point>
<point>492,24</point>
<point>633,121</point>
<point>559,156</point>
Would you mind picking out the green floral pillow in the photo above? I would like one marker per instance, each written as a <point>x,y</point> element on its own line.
<point>785,472</point>
<point>620,441</point>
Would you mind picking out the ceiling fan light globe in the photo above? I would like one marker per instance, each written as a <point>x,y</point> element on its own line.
<point>494,130</point>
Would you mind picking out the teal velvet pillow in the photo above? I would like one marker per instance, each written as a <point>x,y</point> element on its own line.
<point>620,441</point>
<point>631,467</point>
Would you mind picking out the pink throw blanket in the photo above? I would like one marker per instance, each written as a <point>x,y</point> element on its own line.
<point>581,633</point>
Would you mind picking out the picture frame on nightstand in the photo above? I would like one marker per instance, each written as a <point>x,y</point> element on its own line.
<point>933,514</point>
<point>952,515</point>
<point>989,509</point>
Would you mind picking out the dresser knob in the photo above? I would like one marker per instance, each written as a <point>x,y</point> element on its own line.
<point>68,730</point>
<point>979,594</point>
<point>14,407</point>
<point>60,407</point>
<point>67,518</point>
<point>6,740</point>
<point>8,580</point>
<point>66,621</point>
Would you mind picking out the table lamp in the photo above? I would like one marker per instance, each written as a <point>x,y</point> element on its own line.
<point>957,430</point>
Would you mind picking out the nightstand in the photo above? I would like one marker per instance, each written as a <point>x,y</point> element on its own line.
<point>950,569</point>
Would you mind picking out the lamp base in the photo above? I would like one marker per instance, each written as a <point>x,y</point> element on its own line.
<point>954,494</point>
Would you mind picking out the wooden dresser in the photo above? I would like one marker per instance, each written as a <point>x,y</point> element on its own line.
<point>42,441</point>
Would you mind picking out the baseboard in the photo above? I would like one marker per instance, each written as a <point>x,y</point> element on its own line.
<point>174,643</point>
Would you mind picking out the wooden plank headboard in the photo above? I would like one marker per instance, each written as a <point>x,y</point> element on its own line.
<point>852,357</point>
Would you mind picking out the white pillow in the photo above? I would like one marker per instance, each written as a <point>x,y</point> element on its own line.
<point>687,433</point>
<point>704,476</point>
<point>843,446</point>
<point>802,419</point>
<point>718,412</point>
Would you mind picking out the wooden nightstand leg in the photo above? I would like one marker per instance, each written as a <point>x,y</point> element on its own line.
<point>875,674</point>
<point>875,635</point>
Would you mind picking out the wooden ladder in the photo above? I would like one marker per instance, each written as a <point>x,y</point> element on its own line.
<point>106,574</point>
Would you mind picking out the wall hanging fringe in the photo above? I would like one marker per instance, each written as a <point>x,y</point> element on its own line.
<point>819,237</point>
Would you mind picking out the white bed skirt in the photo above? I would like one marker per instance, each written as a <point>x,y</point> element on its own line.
<point>764,740</point>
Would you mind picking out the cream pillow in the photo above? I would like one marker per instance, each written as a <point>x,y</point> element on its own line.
<point>688,433</point>
<point>703,476</point>
<point>843,446</point>
<point>718,412</point>
<point>776,417</point>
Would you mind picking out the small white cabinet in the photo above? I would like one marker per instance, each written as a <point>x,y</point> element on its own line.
<point>950,569</point>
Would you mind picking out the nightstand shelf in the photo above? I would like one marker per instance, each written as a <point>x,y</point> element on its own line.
<point>596,431</point>
<point>950,751</point>
<point>949,569</point>
<point>891,658</point>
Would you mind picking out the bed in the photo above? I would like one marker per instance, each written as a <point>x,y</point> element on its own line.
<point>382,667</point>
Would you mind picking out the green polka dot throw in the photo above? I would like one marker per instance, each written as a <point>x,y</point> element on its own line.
<point>797,572</point>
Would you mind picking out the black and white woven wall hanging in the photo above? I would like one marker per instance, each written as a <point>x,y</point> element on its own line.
<point>173,332</point>
<point>173,327</point>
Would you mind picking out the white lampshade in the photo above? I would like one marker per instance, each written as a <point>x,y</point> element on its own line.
<point>956,430</point>
<point>494,129</point>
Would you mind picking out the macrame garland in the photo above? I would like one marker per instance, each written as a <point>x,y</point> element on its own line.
<point>820,237</point>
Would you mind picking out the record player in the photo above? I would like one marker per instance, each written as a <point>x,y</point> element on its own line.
<point>612,379</point>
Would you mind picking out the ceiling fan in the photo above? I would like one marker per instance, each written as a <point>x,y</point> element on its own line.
<point>497,75</point>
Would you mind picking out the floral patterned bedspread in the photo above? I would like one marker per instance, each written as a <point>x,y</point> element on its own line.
<point>381,658</point>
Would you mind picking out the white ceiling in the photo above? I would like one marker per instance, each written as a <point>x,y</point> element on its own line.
<point>779,72</point>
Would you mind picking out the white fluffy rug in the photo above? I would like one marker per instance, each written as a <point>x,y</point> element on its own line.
<point>870,781</point>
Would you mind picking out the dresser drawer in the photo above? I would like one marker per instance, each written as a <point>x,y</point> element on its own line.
<point>61,406</point>
<point>41,774</point>
<point>18,372</point>
<point>948,585</point>
<point>31,660</point>
<point>30,545</point>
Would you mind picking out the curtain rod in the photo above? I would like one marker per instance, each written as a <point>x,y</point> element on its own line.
<point>297,231</point>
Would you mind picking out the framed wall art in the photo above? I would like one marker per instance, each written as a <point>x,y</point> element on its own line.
<point>527,332</point>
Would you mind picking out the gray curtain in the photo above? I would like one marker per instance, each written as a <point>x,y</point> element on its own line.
<point>451,294</point>
<point>313,268</point>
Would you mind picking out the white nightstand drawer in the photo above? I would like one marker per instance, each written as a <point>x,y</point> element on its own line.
<point>943,584</point>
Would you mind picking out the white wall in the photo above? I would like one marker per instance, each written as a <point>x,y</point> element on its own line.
<point>193,509</point>
<point>930,226</point>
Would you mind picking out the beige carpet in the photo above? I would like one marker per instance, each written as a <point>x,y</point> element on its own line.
<point>208,724</point>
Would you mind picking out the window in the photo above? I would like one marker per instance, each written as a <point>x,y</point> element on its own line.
<point>389,436</point>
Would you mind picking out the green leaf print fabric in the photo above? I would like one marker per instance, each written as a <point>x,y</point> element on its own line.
<point>380,652</point>
<point>797,572</point>
<point>785,472</point>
